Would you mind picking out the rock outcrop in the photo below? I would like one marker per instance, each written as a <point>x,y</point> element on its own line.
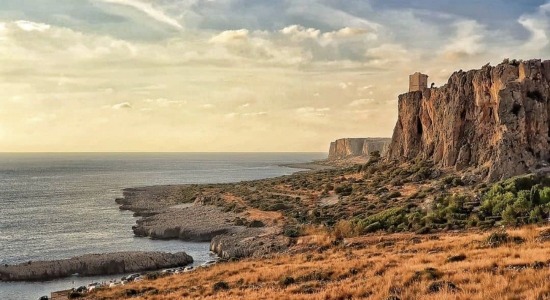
<point>94,264</point>
<point>495,121</point>
<point>197,223</point>
<point>253,242</point>
<point>350,147</point>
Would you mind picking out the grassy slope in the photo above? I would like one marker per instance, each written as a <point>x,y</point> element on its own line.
<point>375,266</point>
<point>323,207</point>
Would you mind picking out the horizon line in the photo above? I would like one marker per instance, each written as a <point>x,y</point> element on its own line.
<point>145,152</point>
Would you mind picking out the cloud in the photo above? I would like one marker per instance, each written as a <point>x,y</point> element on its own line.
<point>32,26</point>
<point>361,102</point>
<point>538,25</point>
<point>349,32</point>
<point>300,33</point>
<point>255,114</point>
<point>345,85</point>
<point>230,36</point>
<point>208,106</point>
<point>148,9</point>
<point>312,111</point>
<point>233,115</point>
<point>123,105</point>
<point>467,41</point>
<point>163,102</point>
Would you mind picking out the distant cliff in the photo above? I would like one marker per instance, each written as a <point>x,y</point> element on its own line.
<point>350,147</point>
<point>494,121</point>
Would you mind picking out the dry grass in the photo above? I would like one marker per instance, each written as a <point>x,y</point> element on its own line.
<point>373,267</point>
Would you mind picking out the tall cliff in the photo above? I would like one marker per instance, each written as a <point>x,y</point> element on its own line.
<point>350,147</point>
<point>494,121</point>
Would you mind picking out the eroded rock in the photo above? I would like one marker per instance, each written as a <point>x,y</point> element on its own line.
<point>494,121</point>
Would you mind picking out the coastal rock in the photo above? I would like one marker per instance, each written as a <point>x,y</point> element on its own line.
<point>494,121</point>
<point>164,216</point>
<point>199,223</point>
<point>94,264</point>
<point>254,242</point>
<point>350,147</point>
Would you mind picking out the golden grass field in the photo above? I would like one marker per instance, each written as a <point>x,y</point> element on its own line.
<point>382,266</point>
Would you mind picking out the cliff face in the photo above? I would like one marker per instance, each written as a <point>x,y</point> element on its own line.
<point>494,121</point>
<point>350,147</point>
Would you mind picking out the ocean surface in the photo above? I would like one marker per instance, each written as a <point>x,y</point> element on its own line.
<point>55,206</point>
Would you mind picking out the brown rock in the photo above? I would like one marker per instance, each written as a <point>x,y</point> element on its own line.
<point>350,147</point>
<point>94,264</point>
<point>495,121</point>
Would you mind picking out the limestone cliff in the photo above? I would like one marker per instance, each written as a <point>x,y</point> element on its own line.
<point>349,147</point>
<point>493,121</point>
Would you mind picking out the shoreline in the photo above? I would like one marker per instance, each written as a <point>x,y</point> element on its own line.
<point>211,213</point>
<point>311,166</point>
<point>93,265</point>
<point>210,222</point>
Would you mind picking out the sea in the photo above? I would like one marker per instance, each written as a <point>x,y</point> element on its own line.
<point>60,205</point>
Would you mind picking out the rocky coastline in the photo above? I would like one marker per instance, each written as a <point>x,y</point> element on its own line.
<point>94,264</point>
<point>193,213</point>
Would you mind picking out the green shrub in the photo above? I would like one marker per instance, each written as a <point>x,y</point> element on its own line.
<point>344,190</point>
<point>518,200</point>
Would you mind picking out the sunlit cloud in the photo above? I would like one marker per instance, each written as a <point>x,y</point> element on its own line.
<point>123,105</point>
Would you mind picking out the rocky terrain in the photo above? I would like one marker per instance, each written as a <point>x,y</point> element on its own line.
<point>205,213</point>
<point>483,125</point>
<point>493,122</point>
<point>93,264</point>
<point>350,147</point>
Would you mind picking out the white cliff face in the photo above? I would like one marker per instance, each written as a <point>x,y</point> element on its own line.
<point>495,120</point>
<point>350,147</point>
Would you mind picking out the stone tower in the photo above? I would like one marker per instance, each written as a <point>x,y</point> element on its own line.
<point>418,82</point>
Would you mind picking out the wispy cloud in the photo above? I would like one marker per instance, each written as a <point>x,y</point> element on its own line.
<point>123,105</point>
<point>148,9</point>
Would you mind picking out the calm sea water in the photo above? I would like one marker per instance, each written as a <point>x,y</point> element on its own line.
<point>55,206</point>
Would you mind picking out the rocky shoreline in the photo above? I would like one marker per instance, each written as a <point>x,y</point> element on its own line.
<point>94,264</point>
<point>190,213</point>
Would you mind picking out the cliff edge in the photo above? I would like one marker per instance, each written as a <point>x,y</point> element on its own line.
<point>494,121</point>
<point>350,147</point>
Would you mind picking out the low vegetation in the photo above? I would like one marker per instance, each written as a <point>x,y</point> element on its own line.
<point>467,265</point>
<point>382,230</point>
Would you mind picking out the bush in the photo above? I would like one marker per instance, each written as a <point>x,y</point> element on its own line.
<point>456,258</point>
<point>344,190</point>
<point>344,229</point>
<point>291,231</point>
<point>286,281</point>
<point>497,238</point>
<point>394,195</point>
<point>372,227</point>
<point>518,200</point>
<point>220,286</point>
<point>256,224</point>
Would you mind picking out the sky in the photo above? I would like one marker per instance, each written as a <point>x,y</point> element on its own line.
<point>236,75</point>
